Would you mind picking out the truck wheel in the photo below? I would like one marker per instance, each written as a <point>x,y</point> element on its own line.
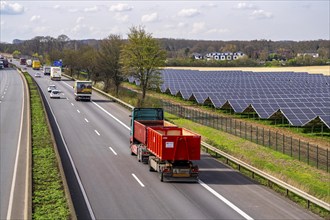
<point>161,176</point>
<point>139,155</point>
<point>150,168</point>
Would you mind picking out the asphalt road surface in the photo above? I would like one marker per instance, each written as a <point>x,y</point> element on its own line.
<point>114,185</point>
<point>13,146</point>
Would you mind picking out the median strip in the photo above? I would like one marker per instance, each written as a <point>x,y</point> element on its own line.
<point>48,196</point>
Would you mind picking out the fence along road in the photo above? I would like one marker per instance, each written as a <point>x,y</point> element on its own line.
<point>303,151</point>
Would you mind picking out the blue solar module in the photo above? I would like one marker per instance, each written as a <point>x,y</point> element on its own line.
<point>298,96</point>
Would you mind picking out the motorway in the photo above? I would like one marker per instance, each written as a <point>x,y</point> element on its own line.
<point>114,185</point>
<point>13,146</point>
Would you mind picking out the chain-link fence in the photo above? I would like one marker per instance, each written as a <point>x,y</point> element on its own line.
<point>304,151</point>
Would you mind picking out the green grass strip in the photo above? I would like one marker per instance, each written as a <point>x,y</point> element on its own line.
<point>48,196</point>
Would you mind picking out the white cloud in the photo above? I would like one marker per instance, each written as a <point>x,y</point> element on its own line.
<point>39,29</point>
<point>188,12</point>
<point>150,17</point>
<point>91,9</point>
<point>35,18</point>
<point>243,5</point>
<point>11,8</point>
<point>217,31</point>
<point>56,6</point>
<point>261,14</point>
<point>121,17</point>
<point>73,10</point>
<point>198,27</point>
<point>209,5</point>
<point>120,7</point>
<point>182,24</point>
<point>79,19</point>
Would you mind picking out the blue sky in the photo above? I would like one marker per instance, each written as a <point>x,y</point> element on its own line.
<point>198,20</point>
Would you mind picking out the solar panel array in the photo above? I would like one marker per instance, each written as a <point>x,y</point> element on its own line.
<point>298,96</point>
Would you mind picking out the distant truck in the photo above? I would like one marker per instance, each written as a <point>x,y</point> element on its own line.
<point>168,149</point>
<point>4,61</point>
<point>46,70</point>
<point>55,73</point>
<point>29,63</point>
<point>83,90</point>
<point>22,61</point>
<point>36,64</point>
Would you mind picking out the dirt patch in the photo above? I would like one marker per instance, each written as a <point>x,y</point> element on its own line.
<point>325,70</point>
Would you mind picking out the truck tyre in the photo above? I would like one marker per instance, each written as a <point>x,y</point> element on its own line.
<point>150,168</point>
<point>161,176</point>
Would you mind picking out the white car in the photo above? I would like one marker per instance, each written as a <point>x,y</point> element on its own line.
<point>51,87</point>
<point>55,94</point>
<point>37,74</point>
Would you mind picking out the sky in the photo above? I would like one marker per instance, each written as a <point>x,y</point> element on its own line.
<point>195,20</point>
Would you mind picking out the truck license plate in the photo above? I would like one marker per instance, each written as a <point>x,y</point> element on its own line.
<point>180,174</point>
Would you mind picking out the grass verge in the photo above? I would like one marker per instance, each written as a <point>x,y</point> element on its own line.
<point>48,196</point>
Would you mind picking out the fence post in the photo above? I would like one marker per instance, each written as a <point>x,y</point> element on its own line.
<point>327,160</point>
<point>257,135</point>
<point>235,127</point>
<point>269,134</point>
<point>240,129</point>
<point>291,147</point>
<point>317,156</point>
<point>308,153</point>
<point>276,140</point>
<point>283,144</point>
<point>245,131</point>
<point>299,149</point>
<point>251,132</point>
<point>263,136</point>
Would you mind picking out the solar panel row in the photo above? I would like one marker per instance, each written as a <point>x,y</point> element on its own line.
<point>297,96</point>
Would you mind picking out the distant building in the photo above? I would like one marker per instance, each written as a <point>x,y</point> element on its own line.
<point>197,56</point>
<point>224,56</point>
<point>314,55</point>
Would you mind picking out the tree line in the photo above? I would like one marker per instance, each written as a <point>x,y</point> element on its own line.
<point>110,61</point>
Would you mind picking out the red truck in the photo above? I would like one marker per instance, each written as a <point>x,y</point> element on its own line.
<point>168,149</point>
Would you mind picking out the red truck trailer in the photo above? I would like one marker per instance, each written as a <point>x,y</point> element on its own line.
<point>167,149</point>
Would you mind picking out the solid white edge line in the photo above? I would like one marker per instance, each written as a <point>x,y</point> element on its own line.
<point>13,182</point>
<point>113,151</point>
<point>97,132</point>
<point>89,207</point>
<point>120,122</point>
<point>231,205</point>
<point>86,120</point>
<point>137,179</point>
